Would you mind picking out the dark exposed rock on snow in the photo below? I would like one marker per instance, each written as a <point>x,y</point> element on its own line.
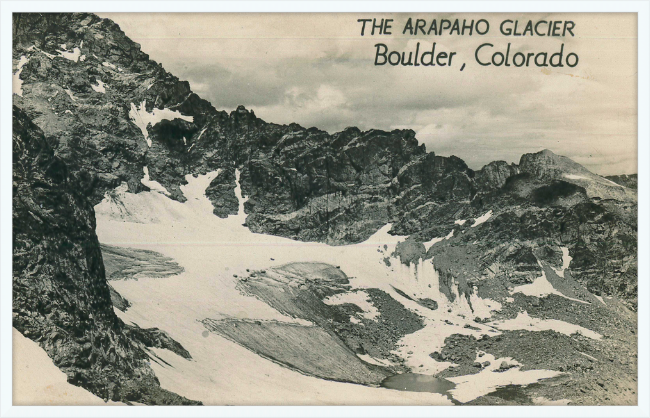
<point>299,290</point>
<point>118,301</point>
<point>130,264</point>
<point>311,350</point>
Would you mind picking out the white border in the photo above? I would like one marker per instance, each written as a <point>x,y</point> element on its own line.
<point>640,7</point>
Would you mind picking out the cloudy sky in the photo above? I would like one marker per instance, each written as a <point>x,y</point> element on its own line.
<point>316,70</point>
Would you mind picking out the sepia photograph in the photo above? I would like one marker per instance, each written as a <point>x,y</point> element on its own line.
<point>340,208</point>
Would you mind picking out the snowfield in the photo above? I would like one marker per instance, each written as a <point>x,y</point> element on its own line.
<point>213,250</point>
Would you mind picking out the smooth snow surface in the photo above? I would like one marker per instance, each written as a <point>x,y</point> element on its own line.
<point>213,250</point>
<point>142,119</point>
<point>540,400</point>
<point>482,218</point>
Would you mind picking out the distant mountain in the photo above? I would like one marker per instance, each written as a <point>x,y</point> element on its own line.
<point>548,166</point>
<point>628,180</point>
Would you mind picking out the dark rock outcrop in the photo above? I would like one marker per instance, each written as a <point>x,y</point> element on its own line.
<point>60,295</point>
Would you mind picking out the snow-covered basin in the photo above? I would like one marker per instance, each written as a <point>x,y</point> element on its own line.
<point>213,250</point>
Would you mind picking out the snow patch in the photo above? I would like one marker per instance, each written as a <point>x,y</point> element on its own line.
<point>428,245</point>
<point>70,55</point>
<point>375,361</point>
<point>470,387</point>
<point>540,400</point>
<point>588,356</point>
<point>526,322</point>
<point>482,218</point>
<point>600,298</point>
<point>50,56</point>
<point>540,288</point>
<point>241,214</point>
<point>69,92</point>
<point>153,185</point>
<point>574,177</point>
<point>99,88</point>
<point>460,222</point>
<point>17,83</point>
<point>142,119</point>
<point>108,64</point>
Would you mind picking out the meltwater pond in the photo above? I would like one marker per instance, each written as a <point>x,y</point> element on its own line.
<point>414,382</point>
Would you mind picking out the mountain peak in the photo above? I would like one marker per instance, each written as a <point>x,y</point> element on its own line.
<point>548,166</point>
<point>547,152</point>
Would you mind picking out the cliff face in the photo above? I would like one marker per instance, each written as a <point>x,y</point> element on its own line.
<point>60,296</point>
<point>91,89</point>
